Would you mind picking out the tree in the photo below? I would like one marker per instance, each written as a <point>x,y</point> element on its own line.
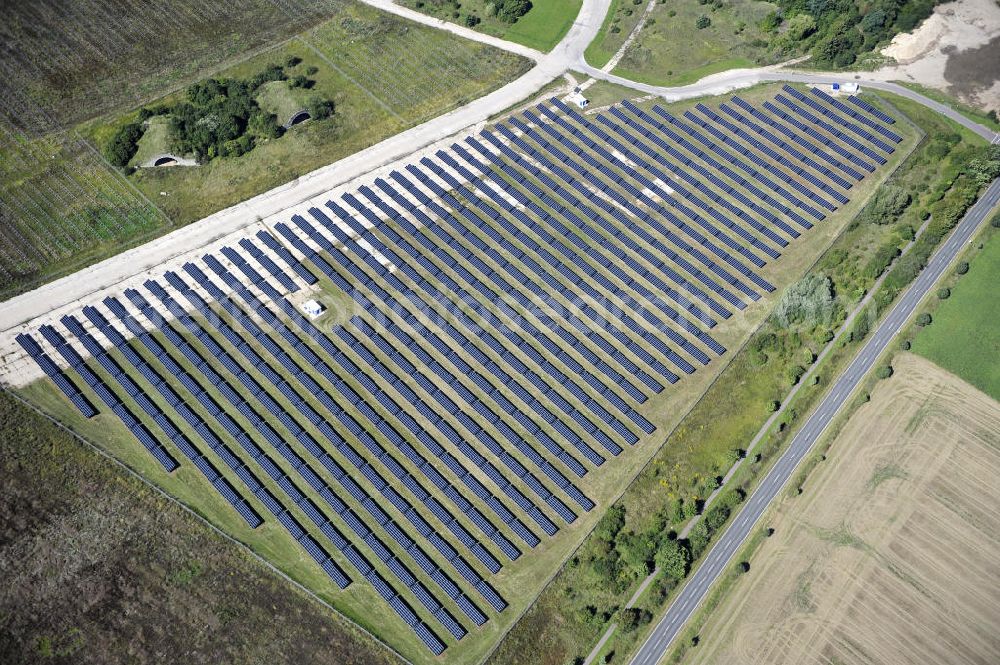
<point>944,293</point>
<point>884,372</point>
<point>509,11</point>
<point>808,302</point>
<point>887,204</point>
<point>962,268</point>
<point>924,319</point>
<point>702,22</point>
<point>611,523</point>
<point>672,559</point>
<point>123,144</point>
<point>636,552</point>
<point>800,26</point>
<point>629,618</point>
<point>698,539</point>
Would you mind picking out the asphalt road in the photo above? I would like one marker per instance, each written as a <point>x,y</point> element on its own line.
<point>721,554</point>
<point>737,79</point>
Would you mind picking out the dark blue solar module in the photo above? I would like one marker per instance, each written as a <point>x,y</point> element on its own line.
<point>68,388</point>
<point>297,462</point>
<point>352,370</point>
<point>860,103</point>
<point>796,136</point>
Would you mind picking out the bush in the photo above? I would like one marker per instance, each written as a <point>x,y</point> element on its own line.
<point>924,319</point>
<point>509,11</point>
<point>944,293</point>
<point>887,204</point>
<point>884,372</point>
<point>809,301</point>
<point>320,108</point>
<point>702,22</point>
<point>124,144</point>
<point>995,222</point>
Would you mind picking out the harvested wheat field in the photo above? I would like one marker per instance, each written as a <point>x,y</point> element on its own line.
<point>890,554</point>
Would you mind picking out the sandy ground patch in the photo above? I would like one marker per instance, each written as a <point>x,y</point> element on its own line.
<point>889,557</point>
<point>956,50</point>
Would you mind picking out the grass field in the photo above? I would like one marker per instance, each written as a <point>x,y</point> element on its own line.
<point>541,28</point>
<point>101,569</point>
<point>63,208</point>
<point>963,337</point>
<point>622,18</point>
<point>519,581</point>
<point>109,55</point>
<point>670,50</point>
<point>885,557</point>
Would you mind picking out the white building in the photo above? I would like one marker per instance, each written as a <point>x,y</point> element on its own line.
<point>849,88</point>
<point>312,308</point>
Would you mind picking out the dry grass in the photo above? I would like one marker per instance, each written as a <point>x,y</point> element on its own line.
<point>888,557</point>
<point>100,569</point>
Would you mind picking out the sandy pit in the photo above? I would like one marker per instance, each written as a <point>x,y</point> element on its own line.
<point>956,50</point>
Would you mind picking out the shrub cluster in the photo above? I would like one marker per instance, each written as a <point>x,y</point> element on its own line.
<point>218,117</point>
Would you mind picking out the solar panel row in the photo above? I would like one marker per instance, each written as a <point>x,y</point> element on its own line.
<point>451,379</point>
<point>572,158</point>
<point>840,120</point>
<point>409,422</point>
<point>570,289</point>
<point>268,264</point>
<point>369,413</point>
<point>543,294</point>
<point>485,333</point>
<point>719,196</point>
<point>491,294</point>
<point>281,479</point>
<point>51,370</point>
<point>789,148</point>
<point>833,131</point>
<point>646,296</point>
<point>340,443</point>
<point>738,163</point>
<point>118,407</point>
<point>736,131</point>
<point>231,427</point>
<point>293,458</point>
<point>272,243</point>
<point>669,190</point>
<point>643,196</point>
<point>862,104</point>
<point>580,280</point>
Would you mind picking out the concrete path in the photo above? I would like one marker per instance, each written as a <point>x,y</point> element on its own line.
<point>92,280</point>
<point>468,33</point>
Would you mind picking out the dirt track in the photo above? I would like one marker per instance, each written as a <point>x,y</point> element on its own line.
<point>889,555</point>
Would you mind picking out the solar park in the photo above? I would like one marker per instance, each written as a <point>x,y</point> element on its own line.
<point>521,306</point>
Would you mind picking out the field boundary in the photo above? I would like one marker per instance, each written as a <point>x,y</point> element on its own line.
<point>200,518</point>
